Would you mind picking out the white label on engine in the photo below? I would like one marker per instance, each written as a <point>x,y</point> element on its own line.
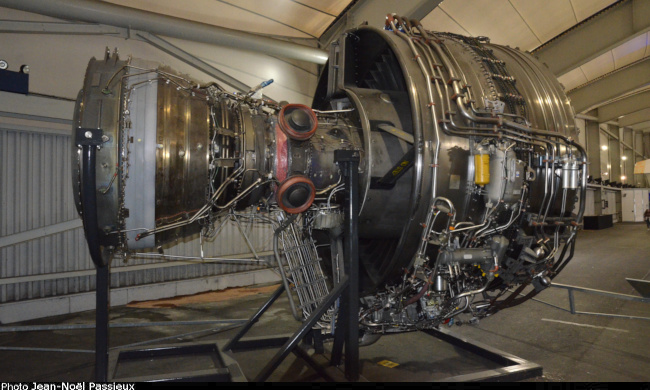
<point>467,256</point>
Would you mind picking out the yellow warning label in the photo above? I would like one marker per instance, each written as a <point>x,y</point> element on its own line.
<point>400,168</point>
<point>388,363</point>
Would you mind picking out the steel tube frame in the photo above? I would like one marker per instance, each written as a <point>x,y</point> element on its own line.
<point>513,368</point>
<point>220,373</point>
<point>572,304</point>
<point>179,336</point>
<point>600,292</point>
<point>254,318</point>
<point>347,324</point>
<point>307,326</point>
<point>287,345</point>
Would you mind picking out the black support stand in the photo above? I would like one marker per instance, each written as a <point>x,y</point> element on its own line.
<point>101,324</point>
<point>511,368</point>
<point>349,314</point>
<point>347,324</point>
<point>89,140</point>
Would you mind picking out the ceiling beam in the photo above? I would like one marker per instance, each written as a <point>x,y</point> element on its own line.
<point>102,12</point>
<point>624,106</point>
<point>374,12</point>
<point>23,27</point>
<point>611,86</point>
<point>642,126</point>
<point>595,36</point>
<point>635,118</point>
<point>191,60</point>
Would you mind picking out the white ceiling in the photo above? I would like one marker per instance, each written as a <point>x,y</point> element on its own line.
<point>631,51</point>
<point>525,24</point>
<point>290,18</point>
<point>641,126</point>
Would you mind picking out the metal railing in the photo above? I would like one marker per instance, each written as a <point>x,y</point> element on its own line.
<point>572,304</point>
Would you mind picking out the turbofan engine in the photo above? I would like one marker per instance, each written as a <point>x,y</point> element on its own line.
<point>471,183</point>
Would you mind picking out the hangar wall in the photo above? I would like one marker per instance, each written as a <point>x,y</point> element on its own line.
<point>45,268</point>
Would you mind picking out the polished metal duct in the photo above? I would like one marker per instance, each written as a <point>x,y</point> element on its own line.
<point>114,15</point>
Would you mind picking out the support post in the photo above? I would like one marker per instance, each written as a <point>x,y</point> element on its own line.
<point>293,341</point>
<point>348,323</point>
<point>89,140</point>
<point>101,323</point>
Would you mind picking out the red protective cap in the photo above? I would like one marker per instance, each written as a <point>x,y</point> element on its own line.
<point>296,194</point>
<point>298,121</point>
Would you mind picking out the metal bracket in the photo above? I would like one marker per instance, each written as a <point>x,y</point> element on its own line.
<point>88,137</point>
<point>401,134</point>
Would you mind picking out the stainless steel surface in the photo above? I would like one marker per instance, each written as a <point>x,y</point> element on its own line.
<point>182,162</point>
<point>139,184</point>
<point>570,175</point>
<point>418,107</point>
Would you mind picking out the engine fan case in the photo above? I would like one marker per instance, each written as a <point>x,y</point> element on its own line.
<point>375,72</point>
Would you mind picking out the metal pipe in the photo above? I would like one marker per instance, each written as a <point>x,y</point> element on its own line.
<point>473,292</point>
<point>130,18</point>
<point>420,294</point>
<point>570,141</point>
<point>431,105</point>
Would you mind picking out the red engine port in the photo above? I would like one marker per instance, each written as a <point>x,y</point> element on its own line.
<point>296,194</point>
<point>298,121</point>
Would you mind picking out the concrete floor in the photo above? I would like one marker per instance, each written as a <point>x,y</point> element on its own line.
<point>568,347</point>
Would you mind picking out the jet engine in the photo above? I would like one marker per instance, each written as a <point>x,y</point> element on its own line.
<point>472,185</point>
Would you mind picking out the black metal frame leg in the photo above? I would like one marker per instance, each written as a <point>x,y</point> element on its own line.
<point>232,344</point>
<point>293,341</point>
<point>101,323</point>
<point>347,325</point>
<point>89,140</point>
